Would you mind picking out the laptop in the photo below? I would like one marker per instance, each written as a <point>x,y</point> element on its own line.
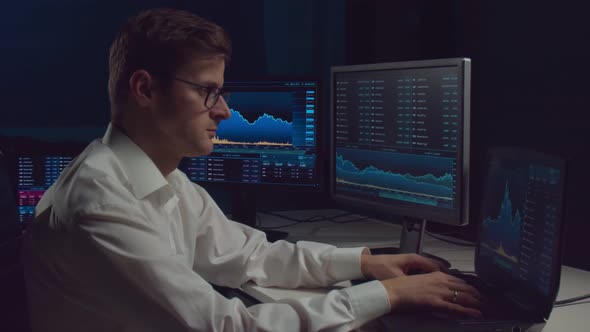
<point>519,249</point>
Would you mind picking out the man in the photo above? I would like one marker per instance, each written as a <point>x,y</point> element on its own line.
<point>123,241</point>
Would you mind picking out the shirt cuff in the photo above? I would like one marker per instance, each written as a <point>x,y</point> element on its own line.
<point>346,264</point>
<point>369,301</point>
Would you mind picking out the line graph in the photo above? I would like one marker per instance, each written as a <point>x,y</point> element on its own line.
<point>502,234</point>
<point>265,130</point>
<point>218,141</point>
<point>424,188</point>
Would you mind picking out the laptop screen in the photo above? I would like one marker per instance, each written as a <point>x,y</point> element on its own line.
<point>521,222</point>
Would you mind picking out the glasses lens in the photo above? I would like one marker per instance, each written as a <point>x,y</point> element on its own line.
<point>213,98</point>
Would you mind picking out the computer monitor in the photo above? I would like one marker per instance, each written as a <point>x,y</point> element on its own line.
<point>37,155</point>
<point>35,174</point>
<point>269,142</point>
<point>400,142</point>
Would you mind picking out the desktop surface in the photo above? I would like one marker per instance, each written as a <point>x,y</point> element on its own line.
<point>376,234</point>
<point>574,282</point>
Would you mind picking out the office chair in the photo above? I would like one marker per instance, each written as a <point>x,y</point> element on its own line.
<point>15,316</point>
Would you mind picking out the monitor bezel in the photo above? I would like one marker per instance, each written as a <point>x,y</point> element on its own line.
<point>410,210</point>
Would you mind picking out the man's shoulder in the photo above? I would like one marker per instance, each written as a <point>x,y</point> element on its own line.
<point>93,179</point>
<point>96,162</point>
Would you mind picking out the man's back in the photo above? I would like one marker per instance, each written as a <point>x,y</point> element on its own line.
<point>71,283</point>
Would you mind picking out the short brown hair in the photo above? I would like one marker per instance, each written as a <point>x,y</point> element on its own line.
<point>160,41</point>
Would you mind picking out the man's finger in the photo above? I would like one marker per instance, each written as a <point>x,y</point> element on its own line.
<point>459,309</point>
<point>425,264</point>
<point>466,289</point>
<point>462,298</point>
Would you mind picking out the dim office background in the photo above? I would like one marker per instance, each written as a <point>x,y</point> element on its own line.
<point>530,71</point>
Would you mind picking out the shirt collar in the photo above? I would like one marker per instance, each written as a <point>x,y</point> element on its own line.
<point>143,175</point>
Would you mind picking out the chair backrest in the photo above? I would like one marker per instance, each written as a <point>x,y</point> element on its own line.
<point>9,228</point>
<point>13,301</point>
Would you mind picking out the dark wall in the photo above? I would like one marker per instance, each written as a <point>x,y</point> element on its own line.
<point>530,73</point>
<point>533,92</point>
<point>55,54</point>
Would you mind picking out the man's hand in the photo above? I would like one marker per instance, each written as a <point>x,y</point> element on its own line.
<point>383,267</point>
<point>433,291</point>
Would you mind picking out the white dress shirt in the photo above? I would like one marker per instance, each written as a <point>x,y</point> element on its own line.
<point>116,246</point>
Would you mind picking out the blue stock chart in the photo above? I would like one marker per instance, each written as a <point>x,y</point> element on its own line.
<point>265,130</point>
<point>388,175</point>
<point>270,137</point>
<point>502,232</point>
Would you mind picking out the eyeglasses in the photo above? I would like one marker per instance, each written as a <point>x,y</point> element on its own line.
<point>213,93</point>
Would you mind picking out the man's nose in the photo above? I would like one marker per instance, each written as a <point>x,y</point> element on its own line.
<point>221,110</point>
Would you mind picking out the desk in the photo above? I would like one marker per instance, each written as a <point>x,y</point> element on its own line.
<point>377,234</point>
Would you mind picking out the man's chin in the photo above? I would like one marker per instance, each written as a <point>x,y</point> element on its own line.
<point>199,152</point>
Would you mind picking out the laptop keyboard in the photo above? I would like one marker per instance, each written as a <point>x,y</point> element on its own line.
<point>494,308</point>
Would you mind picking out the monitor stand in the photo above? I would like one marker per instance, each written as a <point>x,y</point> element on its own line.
<point>243,210</point>
<point>411,240</point>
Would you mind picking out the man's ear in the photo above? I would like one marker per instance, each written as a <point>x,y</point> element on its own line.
<point>141,84</point>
